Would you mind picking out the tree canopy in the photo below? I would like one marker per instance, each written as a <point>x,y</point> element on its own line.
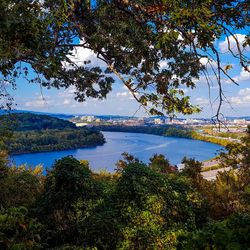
<point>27,132</point>
<point>154,47</point>
<point>29,121</point>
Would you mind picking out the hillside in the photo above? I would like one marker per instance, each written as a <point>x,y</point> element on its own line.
<point>29,121</point>
<point>39,133</point>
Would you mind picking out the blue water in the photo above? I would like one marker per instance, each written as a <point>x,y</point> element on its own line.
<point>143,146</point>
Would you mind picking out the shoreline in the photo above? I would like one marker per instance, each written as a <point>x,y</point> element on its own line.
<point>120,131</point>
<point>184,133</point>
<point>58,150</point>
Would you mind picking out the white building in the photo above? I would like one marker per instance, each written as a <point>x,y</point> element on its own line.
<point>240,121</point>
<point>158,121</point>
<point>90,118</point>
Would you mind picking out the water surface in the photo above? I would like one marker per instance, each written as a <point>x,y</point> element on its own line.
<point>143,146</point>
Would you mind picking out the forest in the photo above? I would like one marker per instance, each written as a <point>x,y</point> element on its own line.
<point>30,121</point>
<point>140,206</point>
<point>167,130</point>
<point>39,133</point>
<point>53,140</point>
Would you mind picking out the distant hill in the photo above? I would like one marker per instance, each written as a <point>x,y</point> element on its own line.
<point>30,121</point>
<point>104,117</point>
<point>31,132</point>
<point>241,117</point>
<point>57,115</point>
<point>63,116</point>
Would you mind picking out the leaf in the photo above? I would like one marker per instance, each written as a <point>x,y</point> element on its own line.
<point>228,67</point>
<point>23,226</point>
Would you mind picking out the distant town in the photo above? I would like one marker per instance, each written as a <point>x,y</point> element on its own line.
<point>228,125</point>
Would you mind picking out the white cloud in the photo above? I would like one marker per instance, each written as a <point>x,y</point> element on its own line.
<point>201,101</point>
<point>209,63</point>
<point>39,102</point>
<point>66,101</point>
<point>235,100</point>
<point>240,101</point>
<point>81,55</point>
<point>244,92</point>
<point>243,98</point>
<point>119,94</point>
<point>243,76</point>
<point>233,45</point>
<point>68,93</point>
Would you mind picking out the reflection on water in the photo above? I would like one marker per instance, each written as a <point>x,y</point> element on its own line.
<point>142,146</point>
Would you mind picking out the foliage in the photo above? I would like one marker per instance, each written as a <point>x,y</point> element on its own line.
<point>139,207</point>
<point>161,164</point>
<point>53,139</point>
<point>214,167</point>
<point>127,159</point>
<point>5,134</point>
<point>20,186</point>
<point>66,199</point>
<point>29,132</point>
<point>232,233</point>
<point>192,168</point>
<point>167,130</point>
<point>29,121</point>
<point>237,155</point>
<point>132,41</point>
<point>18,231</point>
<point>220,141</point>
<point>147,210</point>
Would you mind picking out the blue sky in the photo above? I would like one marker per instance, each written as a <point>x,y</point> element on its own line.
<point>31,97</point>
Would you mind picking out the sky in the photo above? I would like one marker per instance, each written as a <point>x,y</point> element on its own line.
<point>29,96</point>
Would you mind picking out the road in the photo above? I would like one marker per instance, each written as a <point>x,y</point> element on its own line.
<point>219,137</point>
<point>211,175</point>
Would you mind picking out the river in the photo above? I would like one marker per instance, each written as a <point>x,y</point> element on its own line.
<point>143,146</point>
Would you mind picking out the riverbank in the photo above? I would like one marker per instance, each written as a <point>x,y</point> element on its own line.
<point>169,131</point>
<point>31,133</point>
<point>142,146</point>
<point>213,139</point>
<point>23,142</point>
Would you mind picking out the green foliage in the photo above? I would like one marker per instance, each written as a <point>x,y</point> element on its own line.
<point>53,139</point>
<point>19,186</point>
<point>127,159</point>
<point>161,164</point>
<point>222,142</point>
<point>214,167</point>
<point>237,155</point>
<point>229,192</point>
<point>155,130</point>
<point>68,181</point>
<point>29,121</point>
<point>131,39</point>
<point>5,134</point>
<point>146,210</point>
<point>38,133</point>
<point>68,192</point>
<point>192,168</point>
<point>139,207</point>
<point>18,231</point>
<point>232,233</point>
